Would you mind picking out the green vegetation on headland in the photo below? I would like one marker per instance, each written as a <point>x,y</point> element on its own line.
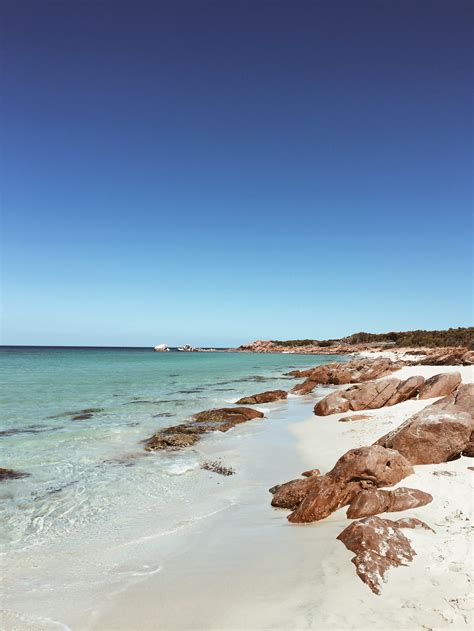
<point>461,336</point>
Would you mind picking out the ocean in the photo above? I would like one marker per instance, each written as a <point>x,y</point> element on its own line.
<point>74,419</point>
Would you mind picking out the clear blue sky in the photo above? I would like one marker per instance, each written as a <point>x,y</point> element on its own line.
<point>213,172</point>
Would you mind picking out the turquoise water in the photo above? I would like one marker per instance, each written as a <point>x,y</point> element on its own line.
<point>93,494</point>
<point>74,464</point>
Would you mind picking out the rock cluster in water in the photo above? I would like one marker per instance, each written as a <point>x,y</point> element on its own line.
<point>187,434</point>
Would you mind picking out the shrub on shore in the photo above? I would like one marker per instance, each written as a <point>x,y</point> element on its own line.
<point>461,336</point>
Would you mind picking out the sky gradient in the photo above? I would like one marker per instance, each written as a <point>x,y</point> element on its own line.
<point>215,172</point>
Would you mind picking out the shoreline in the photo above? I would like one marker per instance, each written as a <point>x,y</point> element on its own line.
<point>99,526</point>
<point>240,564</point>
<point>249,568</point>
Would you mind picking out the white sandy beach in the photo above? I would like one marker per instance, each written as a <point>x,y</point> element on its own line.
<point>248,568</point>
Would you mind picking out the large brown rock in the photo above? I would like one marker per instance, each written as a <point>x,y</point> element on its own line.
<point>263,397</point>
<point>290,494</point>
<point>449,356</point>
<point>436,434</point>
<point>468,450</point>
<point>325,496</point>
<point>440,385</point>
<point>381,467</point>
<point>408,389</point>
<point>322,374</point>
<point>462,398</point>
<point>305,388</point>
<point>372,395</point>
<point>376,501</point>
<point>376,369</point>
<point>355,470</point>
<point>369,396</point>
<point>316,376</point>
<point>378,545</point>
<point>340,373</point>
<point>334,403</point>
<point>468,358</point>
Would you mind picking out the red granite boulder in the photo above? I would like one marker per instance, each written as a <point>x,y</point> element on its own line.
<point>408,389</point>
<point>436,434</point>
<point>305,388</point>
<point>356,470</point>
<point>369,396</point>
<point>462,398</point>
<point>440,385</point>
<point>378,545</point>
<point>340,373</point>
<point>263,397</point>
<point>373,395</point>
<point>375,501</point>
<point>290,494</point>
<point>468,358</point>
<point>334,403</point>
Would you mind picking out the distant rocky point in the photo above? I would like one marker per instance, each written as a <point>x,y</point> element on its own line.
<point>447,347</point>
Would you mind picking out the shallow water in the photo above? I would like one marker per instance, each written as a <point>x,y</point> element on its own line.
<point>74,420</point>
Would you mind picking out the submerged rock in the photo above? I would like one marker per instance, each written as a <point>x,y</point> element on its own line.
<point>10,474</point>
<point>76,414</point>
<point>187,434</point>
<point>216,466</point>
<point>226,415</point>
<point>171,440</point>
<point>264,397</point>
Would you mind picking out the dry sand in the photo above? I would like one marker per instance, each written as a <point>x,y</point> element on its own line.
<point>247,568</point>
